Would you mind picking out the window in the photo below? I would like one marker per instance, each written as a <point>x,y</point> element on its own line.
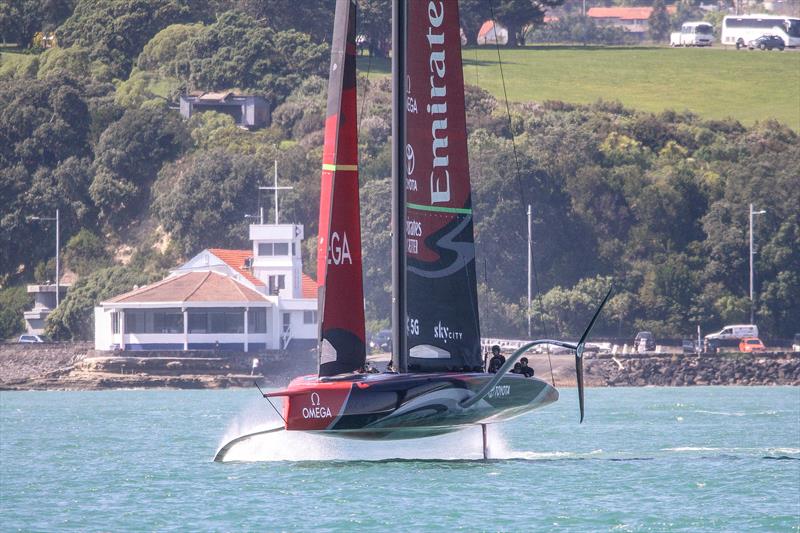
<point>294,249</point>
<point>115,322</point>
<point>287,322</point>
<point>257,321</point>
<point>216,321</point>
<point>168,321</point>
<point>135,321</point>
<point>309,317</point>
<point>153,321</point>
<point>273,248</point>
<point>198,322</point>
<point>276,284</point>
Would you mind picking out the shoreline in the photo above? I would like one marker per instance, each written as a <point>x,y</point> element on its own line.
<point>78,367</point>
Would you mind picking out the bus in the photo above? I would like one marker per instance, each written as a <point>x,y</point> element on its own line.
<point>739,30</point>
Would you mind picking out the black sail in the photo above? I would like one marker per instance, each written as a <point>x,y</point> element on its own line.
<point>442,330</point>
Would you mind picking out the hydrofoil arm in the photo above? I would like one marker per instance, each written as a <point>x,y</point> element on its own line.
<point>220,456</point>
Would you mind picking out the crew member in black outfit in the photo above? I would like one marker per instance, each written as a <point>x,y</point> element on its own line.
<point>524,369</point>
<point>497,360</point>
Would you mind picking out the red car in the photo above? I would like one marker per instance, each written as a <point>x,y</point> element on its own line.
<point>751,344</point>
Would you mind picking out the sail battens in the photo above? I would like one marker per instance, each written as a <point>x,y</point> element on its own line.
<point>440,209</point>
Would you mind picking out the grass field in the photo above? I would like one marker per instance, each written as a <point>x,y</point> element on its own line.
<point>9,61</point>
<point>713,83</point>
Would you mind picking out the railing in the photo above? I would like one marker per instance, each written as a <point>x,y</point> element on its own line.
<point>286,337</point>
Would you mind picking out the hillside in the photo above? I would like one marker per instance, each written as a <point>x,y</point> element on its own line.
<point>714,83</point>
<point>652,201</point>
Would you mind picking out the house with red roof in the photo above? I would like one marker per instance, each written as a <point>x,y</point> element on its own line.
<point>632,19</point>
<point>238,300</point>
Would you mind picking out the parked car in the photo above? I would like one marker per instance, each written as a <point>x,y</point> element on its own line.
<point>689,346</point>
<point>751,344</point>
<point>28,339</point>
<point>381,341</point>
<point>796,343</point>
<point>738,331</point>
<point>644,342</point>
<point>767,42</point>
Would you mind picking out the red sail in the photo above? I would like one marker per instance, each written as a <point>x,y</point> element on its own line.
<point>341,295</point>
<point>442,327</point>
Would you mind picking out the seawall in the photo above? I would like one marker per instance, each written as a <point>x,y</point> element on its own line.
<point>78,366</point>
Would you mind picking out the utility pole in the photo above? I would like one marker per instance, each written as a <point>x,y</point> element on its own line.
<point>752,302</point>
<point>276,189</point>
<point>530,266</point>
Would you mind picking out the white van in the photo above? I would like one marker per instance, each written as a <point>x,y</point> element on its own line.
<point>693,34</point>
<point>735,332</point>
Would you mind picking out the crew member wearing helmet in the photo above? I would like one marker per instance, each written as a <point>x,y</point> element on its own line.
<point>524,369</point>
<point>497,360</point>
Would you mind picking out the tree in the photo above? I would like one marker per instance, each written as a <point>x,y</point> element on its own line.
<point>128,157</point>
<point>13,302</point>
<point>73,319</point>
<point>202,199</point>
<point>85,253</point>
<point>44,130</point>
<point>115,31</point>
<point>516,14</point>
<point>659,23</point>
<point>375,22</point>
<point>239,52</point>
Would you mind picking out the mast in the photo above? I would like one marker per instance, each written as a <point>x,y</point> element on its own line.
<point>399,345</point>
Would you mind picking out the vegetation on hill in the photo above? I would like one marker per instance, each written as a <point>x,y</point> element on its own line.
<point>654,202</point>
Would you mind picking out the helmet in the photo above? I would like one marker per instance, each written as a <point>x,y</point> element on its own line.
<point>524,360</point>
<point>496,348</point>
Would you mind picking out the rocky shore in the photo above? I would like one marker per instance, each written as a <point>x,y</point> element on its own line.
<point>688,370</point>
<point>76,366</point>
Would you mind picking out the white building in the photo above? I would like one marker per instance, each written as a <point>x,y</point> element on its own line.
<point>241,300</point>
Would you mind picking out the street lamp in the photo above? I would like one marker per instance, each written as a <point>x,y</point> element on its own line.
<point>58,253</point>
<point>752,307</point>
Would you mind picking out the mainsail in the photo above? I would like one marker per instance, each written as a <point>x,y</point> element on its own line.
<point>439,290</point>
<point>341,293</point>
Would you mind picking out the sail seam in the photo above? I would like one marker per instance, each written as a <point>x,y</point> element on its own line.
<point>327,166</point>
<point>457,210</point>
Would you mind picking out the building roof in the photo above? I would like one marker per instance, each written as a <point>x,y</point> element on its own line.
<point>192,287</point>
<point>236,259</point>
<point>488,26</point>
<point>624,13</point>
<point>309,288</point>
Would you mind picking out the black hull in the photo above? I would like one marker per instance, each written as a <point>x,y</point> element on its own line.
<point>406,406</point>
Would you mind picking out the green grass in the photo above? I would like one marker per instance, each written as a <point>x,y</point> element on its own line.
<point>713,83</point>
<point>9,61</point>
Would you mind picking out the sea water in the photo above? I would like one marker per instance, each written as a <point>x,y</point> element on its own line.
<point>646,459</point>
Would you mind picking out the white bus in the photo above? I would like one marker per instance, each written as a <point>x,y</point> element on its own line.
<point>739,30</point>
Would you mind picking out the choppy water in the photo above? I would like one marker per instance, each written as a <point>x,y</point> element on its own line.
<point>652,459</point>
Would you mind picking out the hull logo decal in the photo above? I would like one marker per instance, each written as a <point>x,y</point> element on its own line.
<point>499,391</point>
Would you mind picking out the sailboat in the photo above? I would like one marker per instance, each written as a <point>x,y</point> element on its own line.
<point>440,385</point>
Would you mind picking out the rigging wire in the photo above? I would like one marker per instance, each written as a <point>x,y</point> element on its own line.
<point>519,179</point>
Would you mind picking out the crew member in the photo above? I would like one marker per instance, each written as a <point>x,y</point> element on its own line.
<point>524,369</point>
<point>390,367</point>
<point>497,360</point>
